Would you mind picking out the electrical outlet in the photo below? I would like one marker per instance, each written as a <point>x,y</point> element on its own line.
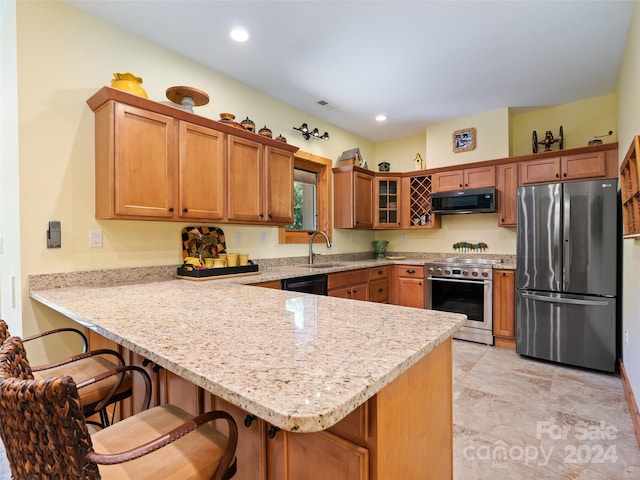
<point>95,238</point>
<point>404,238</point>
<point>238,238</point>
<point>263,237</point>
<point>626,337</point>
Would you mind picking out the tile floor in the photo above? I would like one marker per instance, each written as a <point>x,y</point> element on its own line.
<point>516,418</point>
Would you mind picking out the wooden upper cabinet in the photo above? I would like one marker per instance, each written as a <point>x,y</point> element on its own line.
<point>353,198</point>
<point>468,178</point>
<point>506,186</point>
<point>583,166</point>
<point>587,165</point>
<point>201,172</point>
<point>159,162</point>
<point>278,186</point>
<point>135,163</point>
<point>260,185</point>
<point>387,202</point>
<point>540,171</point>
<point>244,186</point>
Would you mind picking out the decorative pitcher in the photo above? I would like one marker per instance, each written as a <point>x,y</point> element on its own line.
<point>129,83</point>
<point>380,247</point>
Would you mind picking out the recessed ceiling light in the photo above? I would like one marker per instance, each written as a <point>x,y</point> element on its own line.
<point>239,34</point>
<point>381,118</point>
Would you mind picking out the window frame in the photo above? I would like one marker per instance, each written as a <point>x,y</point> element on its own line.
<point>322,166</point>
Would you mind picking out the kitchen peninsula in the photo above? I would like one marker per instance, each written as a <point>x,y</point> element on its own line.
<point>365,387</point>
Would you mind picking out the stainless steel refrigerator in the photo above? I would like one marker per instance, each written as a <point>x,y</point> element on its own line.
<point>566,273</point>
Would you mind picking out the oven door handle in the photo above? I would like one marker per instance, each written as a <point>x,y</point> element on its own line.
<point>473,282</point>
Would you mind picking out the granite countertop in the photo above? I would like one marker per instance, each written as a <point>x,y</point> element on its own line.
<point>301,362</point>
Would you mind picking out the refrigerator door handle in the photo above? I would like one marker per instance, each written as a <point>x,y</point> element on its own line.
<point>566,238</point>
<point>573,301</point>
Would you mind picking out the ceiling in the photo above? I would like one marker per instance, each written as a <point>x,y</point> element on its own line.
<point>418,62</point>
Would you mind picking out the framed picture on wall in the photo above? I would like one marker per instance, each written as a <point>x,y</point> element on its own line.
<point>464,140</point>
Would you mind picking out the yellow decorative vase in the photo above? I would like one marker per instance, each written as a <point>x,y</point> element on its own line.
<point>129,83</point>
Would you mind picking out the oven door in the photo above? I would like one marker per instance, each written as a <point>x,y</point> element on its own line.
<point>473,298</point>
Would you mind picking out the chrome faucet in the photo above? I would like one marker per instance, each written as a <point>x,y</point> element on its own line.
<point>313,235</point>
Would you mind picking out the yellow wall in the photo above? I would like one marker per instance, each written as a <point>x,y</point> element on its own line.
<point>581,121</point>
<point>492,139</point>
<point>64,57</point>
<point>400,153</point>
<point>629,125</point>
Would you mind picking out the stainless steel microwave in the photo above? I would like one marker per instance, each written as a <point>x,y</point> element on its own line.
<point>481,200</point>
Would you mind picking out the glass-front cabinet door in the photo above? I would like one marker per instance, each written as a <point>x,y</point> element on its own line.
<point>387,202</point>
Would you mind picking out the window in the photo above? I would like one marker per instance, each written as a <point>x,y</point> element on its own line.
<point>305,185</point>
<point>312,199</point>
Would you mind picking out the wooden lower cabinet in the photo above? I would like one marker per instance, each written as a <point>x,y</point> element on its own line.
<point>353,284</point>
<point>504,306</point>
<point>409,286</point>
<point>404,432</point>
<point>379,284</point>
<point>274,284</point>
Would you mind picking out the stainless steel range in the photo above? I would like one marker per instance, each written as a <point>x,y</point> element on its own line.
<point>464,285</point>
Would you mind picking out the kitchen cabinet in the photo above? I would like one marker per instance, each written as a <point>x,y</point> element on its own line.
<point>416,203</point>
<point>581,166</point>
<point>630,190</point>
<point>201,172</point>
<point>353,284</point>
<point>506,187</point>
<point>379,284</point>
<point>275,284</point>
<point>260,185</point>
<point>468,178</point>
<point>157,162</point>
<point>504,305</point>
<point>409,285</point>
<point>353,197</point>
<point>371,443</point>
<point>387,202</point>
<point>135,148</point>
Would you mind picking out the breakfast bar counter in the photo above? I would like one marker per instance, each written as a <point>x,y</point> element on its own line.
<point>299,362</point>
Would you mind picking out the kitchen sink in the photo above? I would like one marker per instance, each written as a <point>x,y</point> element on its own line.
<point>322,265</point>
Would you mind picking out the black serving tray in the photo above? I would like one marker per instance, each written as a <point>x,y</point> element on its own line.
<point>190,271</point>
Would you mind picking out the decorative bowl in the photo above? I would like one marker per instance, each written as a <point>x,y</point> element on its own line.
<point>227,117</point>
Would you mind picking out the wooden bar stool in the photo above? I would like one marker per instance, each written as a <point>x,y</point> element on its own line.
<point>45,434</point>
<point>95,397</point>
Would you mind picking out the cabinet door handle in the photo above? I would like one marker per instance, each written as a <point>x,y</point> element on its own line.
<point>271,215</point>
<point>355,290</point>
<point>411,270</point>
<point>185,209</point>
<point>262,215</point>
<point>380,290</point>
<point>460,185</point>
<point>466,184</point>
<point>171,209</point>
<point>565,174</point>
<point>271,433</point>
<point>248,420</point>
<point>557,175</point>
<point>380,272</point>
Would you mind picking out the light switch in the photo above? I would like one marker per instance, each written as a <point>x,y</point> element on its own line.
<point>54,235</point>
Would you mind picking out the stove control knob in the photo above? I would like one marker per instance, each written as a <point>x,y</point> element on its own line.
<point>485,274</point>
<point>475,274</point>
<point>465,273</point>
<point>430,269</point>
<point>438,271</point>
<point>447,272</point>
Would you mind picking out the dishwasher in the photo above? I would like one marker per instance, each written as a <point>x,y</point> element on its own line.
<point>316,284</point>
